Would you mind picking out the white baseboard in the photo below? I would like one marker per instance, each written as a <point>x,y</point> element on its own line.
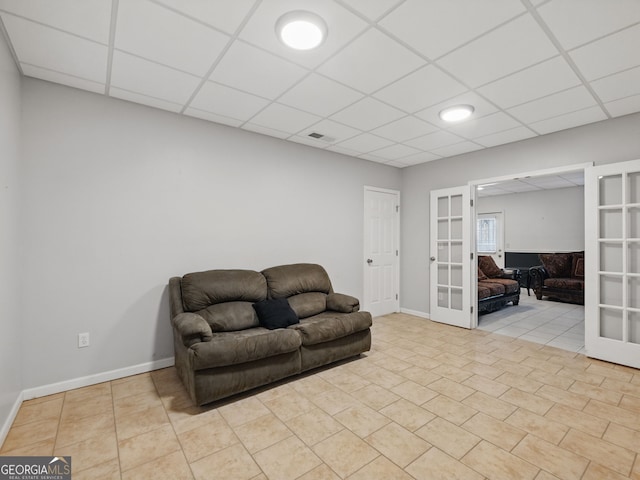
<point>52,388</point>
<point>416,313</point>
<point>6,426</point>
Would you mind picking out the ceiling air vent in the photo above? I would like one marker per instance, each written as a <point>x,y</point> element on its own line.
<point>320,136</point>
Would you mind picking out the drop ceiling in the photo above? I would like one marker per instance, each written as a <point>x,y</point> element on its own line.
<point>374,88</point>
<point>532,184</point>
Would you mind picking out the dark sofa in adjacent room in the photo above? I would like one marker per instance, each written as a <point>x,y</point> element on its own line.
<point>496,287</point>
<point>560,277</point>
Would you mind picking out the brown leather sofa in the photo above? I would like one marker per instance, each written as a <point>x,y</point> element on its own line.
<point>496,287</point>
<point>233,330</point>
<point>560,277</point>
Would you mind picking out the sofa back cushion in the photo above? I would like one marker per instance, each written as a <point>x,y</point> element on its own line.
<point>557,265</point>
<point>577,265</point>
<point>488,266</point>
<point>288,280</point>
<point>230,316</point>
<point>308,304</point>
<point>203,289</point>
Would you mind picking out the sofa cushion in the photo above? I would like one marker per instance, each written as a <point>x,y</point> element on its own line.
<point>577,265</point>
<point>329,326</point>
<point>510,286</point>
<point>494,288</point>
<point>201,289</point>
<point>289,280</point>
<point>231,348</point>
<point>230,316</point>
<point>557,265</point>
<point>308,304</point>
<point>275,313</point>
<point>483,292</point>
<point>481,275</point>
<point>488,266</point>
<point>564,283</point>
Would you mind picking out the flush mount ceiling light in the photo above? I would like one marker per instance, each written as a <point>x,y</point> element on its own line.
<point>301,30</point>
<point>457,113</point>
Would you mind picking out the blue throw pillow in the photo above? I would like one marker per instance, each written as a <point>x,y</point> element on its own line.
<point>275,313</point>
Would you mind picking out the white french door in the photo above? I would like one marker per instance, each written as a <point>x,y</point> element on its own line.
<point>612,262</point>
<point>381,251</point>
<point>450,249</point>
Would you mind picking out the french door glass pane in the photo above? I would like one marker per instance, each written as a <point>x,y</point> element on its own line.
<point>634,327</point>
<point>633,257</point>
<point>634,222</point>
<point>443,251</point>
<point>456,206</point>
<point>443,207</point>
<point>443,274</point>
<point>611,290</point>
<point>634,187</point>
<point>633,299</point>
<point>456,298</point>
<point>443,297</point>
<point>443,229</point>
<point>611,190</point>
<point>456,252</point>
<point>611,223</point>
<point>456,275</point>
<point>611,257</point>
<point>456,228</point>
<point>611,323</point>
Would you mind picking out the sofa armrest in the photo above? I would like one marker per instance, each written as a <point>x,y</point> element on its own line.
<point>192,328</point>
<point>340,302</point>
<point>538,275</point>
<point>511,273</point>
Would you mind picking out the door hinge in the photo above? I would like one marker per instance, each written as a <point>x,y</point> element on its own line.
<point>396,253</point>
<point>471,255</point>
<point>397,208</point>
<point>396,296</point>
<point>471,202</point>
<point>471,308</point>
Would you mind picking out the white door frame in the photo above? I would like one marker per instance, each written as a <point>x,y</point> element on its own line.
<point>365,293</point>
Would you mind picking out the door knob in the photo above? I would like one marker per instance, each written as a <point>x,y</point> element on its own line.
<point>433,259</point>
<point>369,261</point>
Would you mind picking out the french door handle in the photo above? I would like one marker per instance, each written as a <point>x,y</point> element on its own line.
<point>433,259</point>
<point>369,261</point>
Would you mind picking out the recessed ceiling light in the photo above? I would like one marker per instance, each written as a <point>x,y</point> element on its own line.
<point>456,113</point>
<point>301,30</point>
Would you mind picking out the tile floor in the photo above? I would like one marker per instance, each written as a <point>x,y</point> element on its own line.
<point>428,402</point>
<point>543,321</point>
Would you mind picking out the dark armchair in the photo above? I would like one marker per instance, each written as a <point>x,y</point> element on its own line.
<point>560,277</point>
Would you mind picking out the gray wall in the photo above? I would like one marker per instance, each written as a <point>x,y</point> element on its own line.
<point>11,314</point>
<point>609,141</point>
<point>540,221</point>
<point>120,197</point>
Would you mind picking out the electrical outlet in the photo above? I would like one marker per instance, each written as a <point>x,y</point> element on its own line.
<point>83,340</point>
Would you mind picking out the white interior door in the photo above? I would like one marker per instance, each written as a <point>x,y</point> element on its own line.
<point>381,251</point>
<point>612,262</point>
<point>450,250</point>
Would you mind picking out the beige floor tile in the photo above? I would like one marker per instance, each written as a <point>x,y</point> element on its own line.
<point>435,464</point>
<point>384,378</point>
<point>499,433</point>
<point>278,465</point>
<point>135,404</point>
<point>321,472</point>
<point>537,425</point>
<point>546,476</point>
<point>581,375</point>
<point>380,469</point>
<point>78,409</point>
<point>452,373</point>
<point>493,462</point>
<point>361,420</point>
<point>420,375</point>
<point>623,437</point>
<point>167,381</point>
<point>526,384</point>
<point>578,420</point>
<point>133,386</point>
<point>41,448</point>
<point>398,444</point>
<point>448,437</point>
<point>289,406</point>
<point>28,434</point>
<point>349,382</point>
<point>486,371</point>
<point>563,397</point>
<point>314,426</point>
<point>46,398</point>
<point>629,402</point>
<point>618,415</point>
<point>261,433</point>
<point>600,451</point>
<point>233,463</point>
<point>539,364</point>
<point>489,405</point>
<point>190,417</point>
<point>392,364</point>
<point>485,385</point>
<point>105,471</point>
<point>451,389</point>
<point>622,387</point>
<point>207,439</point>
<point>528,401</point>
<point>598,472</point>
<point>311,386</point>
<point>171,467</point>
<point>90,452</point>
<point>635,472</point>
<point>334,401</point>
<point>243,411</point>
<point>375,396</point>
<point>74,431</point>
<point>84,393</point>
<point>551,379</point>
<point>609,371</point>
<point>39,412</point>
<point>556,460</point>
<point>450,359</point>
<point>141,422</point>
<point>449,409</point>
<point>407,414</point>
<point>345,453</point>
<point>414,392</point>
<point>513,367</point>
<point>148,446</point>
<point>597,393</point>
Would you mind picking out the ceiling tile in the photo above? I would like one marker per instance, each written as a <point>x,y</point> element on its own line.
<point>144,100</point>
<point>435,140</point>
<point>624,106</point>
<point>444,25</point>
<point>457,149</point>
<point>212,117</point>
<point>373,158</point>
<point>514,46</point>
<point>612,54</point>
<point>396,163</point>
<point>421,89</point>
<point>420,158</point>
<point>569,120</point>
<point>371,10</point>
<point>227,19</point>
<point>319,95</point>
<point>496,122</point>
<point>481,107</point>
<point>151,79</point>
<point>228,102</point>
<point>538,81</point>
<point>358,65</point>
<point>576,98</point>
<point>48,48</point>
<point>590,20</point>
<point>404,129</point>
<point>367,114</point>
<point>305,140</point>
<point>342,26</point>
<point>365,143</point>
<point>507,136</point>
<point>333,130</point>
<point>61,78</point>
<point>156,33</point>
<point>271,132</point>
<point>394,152</point>
<point>247,68</point>
<point>283,118</point>
<point>617,86</point>
<point>91,18</point>
<point>343,151</point>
